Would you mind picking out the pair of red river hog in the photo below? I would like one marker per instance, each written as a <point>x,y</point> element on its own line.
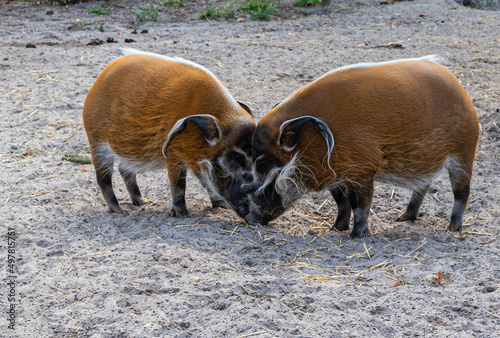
<point>398,122</point>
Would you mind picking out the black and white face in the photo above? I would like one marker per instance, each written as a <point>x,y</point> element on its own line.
<point>224,175</point>
<point>232,170</point>
<point>275,188</point>
<point>266,203</point>
<point>277,171</point>
<point>221,171</point>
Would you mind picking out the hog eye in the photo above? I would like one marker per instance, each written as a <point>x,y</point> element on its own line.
<point>247,177</point>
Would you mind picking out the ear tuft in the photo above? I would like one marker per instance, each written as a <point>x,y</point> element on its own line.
<point>290,131</point>
<point>207,124</point>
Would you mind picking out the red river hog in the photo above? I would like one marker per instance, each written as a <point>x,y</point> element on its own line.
<point>398,122</point>
<point>147,111</point>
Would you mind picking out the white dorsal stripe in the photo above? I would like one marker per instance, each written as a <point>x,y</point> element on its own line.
<point>130,51</point>
<point>429,58</point>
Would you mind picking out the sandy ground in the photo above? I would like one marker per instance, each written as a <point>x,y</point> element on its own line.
<point>80,271</point>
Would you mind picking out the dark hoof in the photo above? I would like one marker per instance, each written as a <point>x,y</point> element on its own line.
<point>179,213</point>
<point>252,220</point>
<point>454,228</point>
<point>140,201</point>
<point>341,226</point>
<point>404,217</point>
<point>253,223</point>
<point>360,233</point>
<point>118,210</point>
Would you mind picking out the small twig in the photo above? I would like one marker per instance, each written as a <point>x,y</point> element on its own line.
<point>35,195</point>
<point>437,199</point>
<point>490,313</point>
<point>420,245</point>
<point>361,254</point>
<point>29,115</point>
<point>9,93</point>
<point>367,251</point>
<point>234,266</point>
<point>477,233</point>
<point>48,177</point>
<point>37,72</point>
<point>302,253</point>
<point>68,138</point>
<point>326,240</point>
<point>380,265</point>
<point>322,204</point>
<point>209,22</point>
<point>253,334</point>
<point>97,253</point>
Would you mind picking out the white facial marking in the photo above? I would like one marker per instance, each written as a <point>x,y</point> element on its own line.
<point>206,175</point>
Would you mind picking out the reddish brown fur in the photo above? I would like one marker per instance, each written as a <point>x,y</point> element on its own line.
<point>136,101</point>
<point>380,113</point>
<point>136,120</point>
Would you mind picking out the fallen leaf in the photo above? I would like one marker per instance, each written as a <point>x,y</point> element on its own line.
<point>441,278</point>
<point>84,168</point>
<point>195,278</point>
<point>240,20</point>
<point>400,282</point>
<point>421,15</point>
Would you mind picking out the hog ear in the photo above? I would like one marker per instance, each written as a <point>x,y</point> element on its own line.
<point>244,106</point>
<point>290,131</point>
<point>208,125</point>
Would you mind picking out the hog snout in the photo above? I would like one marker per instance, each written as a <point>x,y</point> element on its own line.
<point>255,219</point>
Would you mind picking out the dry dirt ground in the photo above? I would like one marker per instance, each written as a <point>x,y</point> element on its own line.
<point>80,271</point>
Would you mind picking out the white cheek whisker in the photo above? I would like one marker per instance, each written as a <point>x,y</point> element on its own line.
<point>287,186</point>
<point>269,179</point>
<point>206,176</point>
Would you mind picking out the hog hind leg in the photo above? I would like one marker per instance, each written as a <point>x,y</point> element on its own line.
<point>103,159</point>
<point>130,178</point>
<point>460,173</point>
